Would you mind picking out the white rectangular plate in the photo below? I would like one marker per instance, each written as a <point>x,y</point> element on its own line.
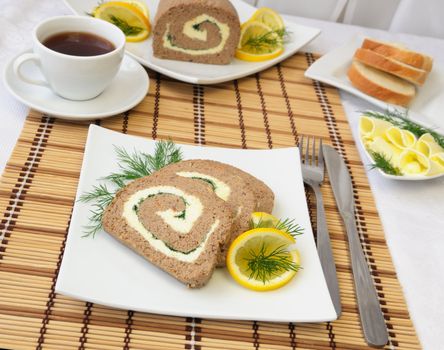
<point>104,271</point>
<point>197,73</point>
<point>426,108</point>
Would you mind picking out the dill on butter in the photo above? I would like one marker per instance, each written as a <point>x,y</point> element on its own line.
<point>402,121</point>
<point>383,163</point>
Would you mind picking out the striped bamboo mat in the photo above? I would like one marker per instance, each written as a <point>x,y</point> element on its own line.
<point>266,110</point>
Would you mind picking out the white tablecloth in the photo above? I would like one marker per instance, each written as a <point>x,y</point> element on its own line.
<point>412,213</point>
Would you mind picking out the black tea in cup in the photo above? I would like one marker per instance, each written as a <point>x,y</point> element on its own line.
<point>79,44</point>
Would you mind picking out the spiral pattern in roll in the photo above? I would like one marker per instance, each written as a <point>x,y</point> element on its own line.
<point>203,31</point>
<point>174,222</point>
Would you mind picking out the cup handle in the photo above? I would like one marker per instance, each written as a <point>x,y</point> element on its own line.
<point>22,59</point>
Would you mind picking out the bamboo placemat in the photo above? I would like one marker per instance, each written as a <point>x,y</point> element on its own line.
<point>266,110</point>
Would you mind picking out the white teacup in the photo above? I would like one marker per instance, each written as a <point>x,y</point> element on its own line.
<point>74,77</point>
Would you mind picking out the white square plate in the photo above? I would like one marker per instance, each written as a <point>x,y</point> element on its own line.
<point>104,271</point>
<point>426,108</point>
<point>197,73</point>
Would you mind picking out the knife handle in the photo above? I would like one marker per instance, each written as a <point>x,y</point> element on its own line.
<point>325,252</point>
<point>372,319</point>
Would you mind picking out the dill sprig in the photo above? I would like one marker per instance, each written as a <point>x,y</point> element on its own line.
<point>290,226</point>
<point>264,266</point>
<point>383,163</point>
<point>287,225</point>
<point>401,120</point>
<point>132,166</point>
<point>125,27</point>
<point>270,40</point>
<point>140,164</point>
<point>102,197</point>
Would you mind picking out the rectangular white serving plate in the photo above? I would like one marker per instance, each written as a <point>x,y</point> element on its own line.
<point>104,271</point>
<point>198,73</point>
<point>426,108</point>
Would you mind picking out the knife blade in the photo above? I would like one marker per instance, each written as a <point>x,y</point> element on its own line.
<point>372,319</point>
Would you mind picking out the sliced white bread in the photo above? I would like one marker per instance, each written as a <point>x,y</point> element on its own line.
<point>381,85</point>
<point>386,64</point>
<point>400,53</point>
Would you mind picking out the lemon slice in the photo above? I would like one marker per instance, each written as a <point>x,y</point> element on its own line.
<point>258,42</point>
<point>254,57</point>
<point>263,259</point>
<point>268,17</point>
<point>261,219</point>
<point>128,17</point>
<point>141,5</point>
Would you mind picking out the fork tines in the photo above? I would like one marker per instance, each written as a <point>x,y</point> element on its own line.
<point>311,158</point>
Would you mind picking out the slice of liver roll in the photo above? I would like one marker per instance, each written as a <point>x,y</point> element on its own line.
<point>169,22</point>
<point>195,273</point>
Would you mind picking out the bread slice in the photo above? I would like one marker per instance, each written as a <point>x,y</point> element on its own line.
<point>243,192</point>
<point>386,64</point>
<point>176,223</point>
<point>399,53</point>
<point>381,85</point>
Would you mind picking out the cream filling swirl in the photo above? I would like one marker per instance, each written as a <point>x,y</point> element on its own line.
<point>190,30</point>
<point>181,225</point>
<point>221,189</point>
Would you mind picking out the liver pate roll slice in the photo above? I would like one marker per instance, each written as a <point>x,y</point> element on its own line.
<point>241,191</point>
<point>178,224</point>
<point>202,31</point>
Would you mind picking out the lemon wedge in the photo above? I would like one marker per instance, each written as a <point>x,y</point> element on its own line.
<point>268,17</point>
<point>258,42</point>
<point>263,259</point>
<point>130,18</point>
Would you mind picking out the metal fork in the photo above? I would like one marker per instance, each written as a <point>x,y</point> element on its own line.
<point>313,175</point>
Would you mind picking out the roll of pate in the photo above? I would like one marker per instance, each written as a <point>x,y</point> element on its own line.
<point>202,31</point>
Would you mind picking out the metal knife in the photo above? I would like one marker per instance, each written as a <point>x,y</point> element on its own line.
<point>372,319</point>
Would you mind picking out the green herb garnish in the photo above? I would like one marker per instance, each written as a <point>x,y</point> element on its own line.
<point>271,39</point>
<point>197,25</point>
<point>286,225</point>
<point>381,162</point>
<point>138,164</point>
<point>132,166</point>
<point>125,27</point>
<point>102,197</point>
<point>401,120</point>
<point>181,215</point>
<point>264,266</point>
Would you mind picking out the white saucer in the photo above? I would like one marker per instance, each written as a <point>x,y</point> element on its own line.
<point>128,88</point>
